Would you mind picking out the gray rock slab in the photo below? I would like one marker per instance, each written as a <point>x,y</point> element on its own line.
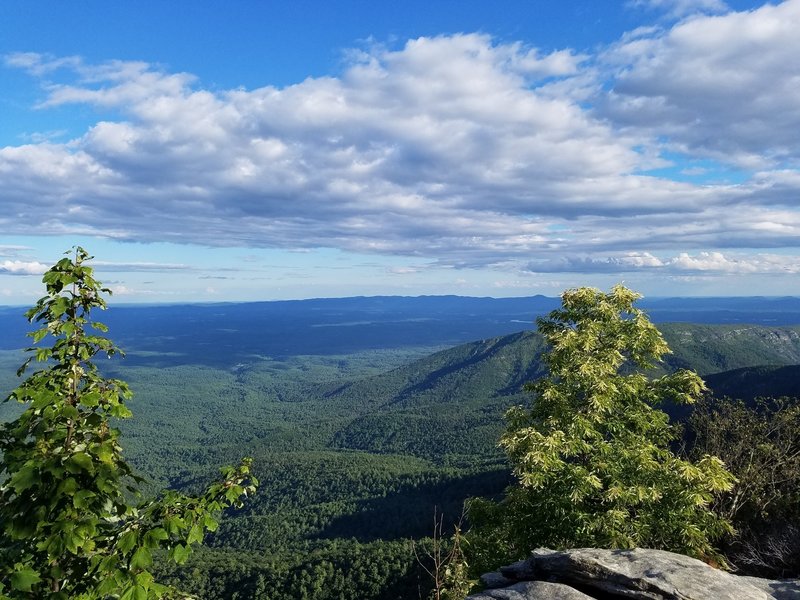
<point>533,590</point>
<point>780,589</point>
<point>642,574</point>
<point>522,570</point>
<point>496,579</point>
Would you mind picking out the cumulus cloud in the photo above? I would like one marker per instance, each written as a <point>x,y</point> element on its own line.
<point>720,263</point>
<point>18,267</point>
<point>725,87</point>
<point>708,262</point>
<point>456,149</point>
<point>444,146</point>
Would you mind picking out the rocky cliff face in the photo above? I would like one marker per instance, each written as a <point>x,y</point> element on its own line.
<point>590,573</point>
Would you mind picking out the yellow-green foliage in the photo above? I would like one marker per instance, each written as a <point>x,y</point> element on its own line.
<point>592,454</point>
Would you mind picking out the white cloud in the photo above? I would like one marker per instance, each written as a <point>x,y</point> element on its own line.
<point>12,249</point>
<point>41,64</point>
<point>711,262</point>
<point>725,87</point>
<point>681,8</point>
<point>124,290</point>
<point>442,147</point>
<point>18,267</point>
<point>455,149</point>
<point>103,265</point>
<point>121,290</point>
<point>402,270</point>
<point>717,262</point>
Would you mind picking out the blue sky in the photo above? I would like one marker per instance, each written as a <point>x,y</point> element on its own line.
<point>271,150</point>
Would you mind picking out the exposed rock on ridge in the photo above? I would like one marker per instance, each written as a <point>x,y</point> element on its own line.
<point>591,573</point>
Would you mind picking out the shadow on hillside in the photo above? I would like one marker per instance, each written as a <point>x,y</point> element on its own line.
<point>409,511</point>
<point>483,351</point>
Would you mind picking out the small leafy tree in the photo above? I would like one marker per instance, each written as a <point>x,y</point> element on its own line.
<point>68,526</point>
<point>444,561</point>
<point>760,444</point>
<point>592,454</point>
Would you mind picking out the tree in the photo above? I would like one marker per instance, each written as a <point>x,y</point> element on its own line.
<point>71,524</point>
<point>592,455</point>
<point>444,561</point>
<point>760,443</point>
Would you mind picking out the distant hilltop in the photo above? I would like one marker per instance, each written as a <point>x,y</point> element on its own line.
<point>342,325</point>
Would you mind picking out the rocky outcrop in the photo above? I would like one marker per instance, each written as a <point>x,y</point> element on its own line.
<point>591,573</point>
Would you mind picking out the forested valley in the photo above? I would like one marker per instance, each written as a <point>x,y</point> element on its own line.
<point>364,419</point>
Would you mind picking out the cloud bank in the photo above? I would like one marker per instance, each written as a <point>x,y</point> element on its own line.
<point>457,149</point>
<point>18,267</point>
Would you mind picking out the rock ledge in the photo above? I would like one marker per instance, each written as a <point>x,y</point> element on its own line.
<point>591,573</point>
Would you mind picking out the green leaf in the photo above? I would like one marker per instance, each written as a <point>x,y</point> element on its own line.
<point>144,579</point>
<point>210,523</point>
<point>126,542</point>
<point>91,399</point>
<point>120,411</point>
<point>79,500</point>
<point>70,412</point>
<point>180,553</point>
<point>232,493</point>
<point>25,478</point>
<point>195,534</point>
<point>152,537</point>
<point>80,461</point>
<point>105,453</point>
<point>39,334</point>
<point>59,306</point>
<point>24,579</point>
<point>141,559</point>
<point>174,524</point>
<point>134,592</point>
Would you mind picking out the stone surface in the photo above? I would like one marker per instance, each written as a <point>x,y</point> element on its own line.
<point>521,570</point>
<point>643,573</point>
<point>495,579</point>
<point>533,590</point>
<point>638,574</point>
<point>780,589</point>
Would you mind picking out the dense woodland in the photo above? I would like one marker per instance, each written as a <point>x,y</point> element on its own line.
<point>357,446</point>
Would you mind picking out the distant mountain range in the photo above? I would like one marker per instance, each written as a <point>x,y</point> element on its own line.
<point>451,401</point>
<point>222,334</point>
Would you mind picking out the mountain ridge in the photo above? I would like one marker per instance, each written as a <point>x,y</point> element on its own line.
<point>457,396</point>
